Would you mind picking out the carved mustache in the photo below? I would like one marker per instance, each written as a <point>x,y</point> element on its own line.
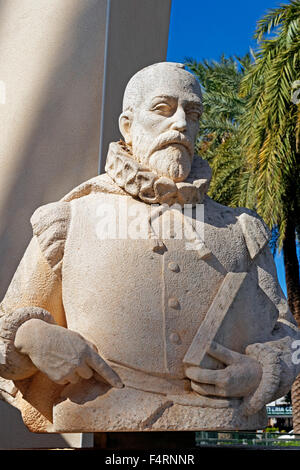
<point>172,137</point>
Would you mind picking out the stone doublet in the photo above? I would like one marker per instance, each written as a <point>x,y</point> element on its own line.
<point>158,284</point>
<point>135,290</point>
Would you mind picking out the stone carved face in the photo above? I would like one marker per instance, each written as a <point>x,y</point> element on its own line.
<point>161,117</point>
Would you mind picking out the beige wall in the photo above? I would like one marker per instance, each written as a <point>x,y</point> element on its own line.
<point>14,435</point>
<point>63,64</point>
<point>137,36</point>
<point>53,57</point>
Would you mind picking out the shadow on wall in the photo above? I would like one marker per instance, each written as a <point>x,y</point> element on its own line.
<point>15,435</point>
<point>60,149</point>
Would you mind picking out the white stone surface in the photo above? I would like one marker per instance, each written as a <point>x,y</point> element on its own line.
<point>155,331</point>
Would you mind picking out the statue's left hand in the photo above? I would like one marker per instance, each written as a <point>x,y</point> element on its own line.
<point>240,377</point>
<point>62,354</point>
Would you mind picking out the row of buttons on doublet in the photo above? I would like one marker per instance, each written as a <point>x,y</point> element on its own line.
<point>173,302</point>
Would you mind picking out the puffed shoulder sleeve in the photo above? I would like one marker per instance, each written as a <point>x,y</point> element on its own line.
<point>36,288</point>
<point>50,224</point>
<point>255,232</point>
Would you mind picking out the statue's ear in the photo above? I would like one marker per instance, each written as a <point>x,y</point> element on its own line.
<point>125,121</point>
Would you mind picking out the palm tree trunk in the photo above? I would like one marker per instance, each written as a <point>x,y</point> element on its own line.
<point>293,291</point>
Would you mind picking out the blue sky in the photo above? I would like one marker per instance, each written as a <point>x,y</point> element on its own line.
<point>203,30</point>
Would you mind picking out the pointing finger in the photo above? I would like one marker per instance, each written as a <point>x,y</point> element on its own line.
<point>104,370</point>
<point>92,345</point>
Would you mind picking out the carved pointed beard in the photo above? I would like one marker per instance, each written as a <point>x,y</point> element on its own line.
<point>165,156</point>
<point>172,161</point>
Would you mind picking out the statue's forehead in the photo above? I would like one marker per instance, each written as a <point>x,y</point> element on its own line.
<point>177,85</point>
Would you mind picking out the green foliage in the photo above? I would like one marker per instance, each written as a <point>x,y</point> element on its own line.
<point>271,123</point>
<point>250,131</point>
<point>283,443</point>
<point>271,429</point>
<point>219,138</point>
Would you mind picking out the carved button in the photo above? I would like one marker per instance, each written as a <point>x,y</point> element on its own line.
<point>173,303</point>
<point>174,338</point>
<point>173,267</point>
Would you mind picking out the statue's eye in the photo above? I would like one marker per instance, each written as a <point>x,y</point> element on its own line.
<point>163,108</point>
<point>193,114</point>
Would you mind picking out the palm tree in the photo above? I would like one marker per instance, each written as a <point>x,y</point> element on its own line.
<point>251,135</point>
<point>219,139</point>
<point>271,130</point>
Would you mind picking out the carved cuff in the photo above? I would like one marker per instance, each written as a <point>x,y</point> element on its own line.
<point>277,376</point>
<point>13,364</point>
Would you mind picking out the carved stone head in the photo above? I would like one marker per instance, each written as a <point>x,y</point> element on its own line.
<point>161,110</point>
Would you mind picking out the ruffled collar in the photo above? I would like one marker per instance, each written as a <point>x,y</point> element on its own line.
<point>141,183</point>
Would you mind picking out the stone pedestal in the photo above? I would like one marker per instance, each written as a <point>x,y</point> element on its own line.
<point>94,407</point>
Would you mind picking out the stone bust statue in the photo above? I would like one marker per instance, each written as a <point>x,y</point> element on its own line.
<point>110,327</point>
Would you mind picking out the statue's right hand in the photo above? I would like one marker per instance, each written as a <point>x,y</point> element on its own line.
<point>63,355</point>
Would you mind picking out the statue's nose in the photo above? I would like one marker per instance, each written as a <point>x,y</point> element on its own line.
<point>179,121</point>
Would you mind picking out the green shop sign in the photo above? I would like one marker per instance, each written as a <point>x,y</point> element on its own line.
<point>282,410</point>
